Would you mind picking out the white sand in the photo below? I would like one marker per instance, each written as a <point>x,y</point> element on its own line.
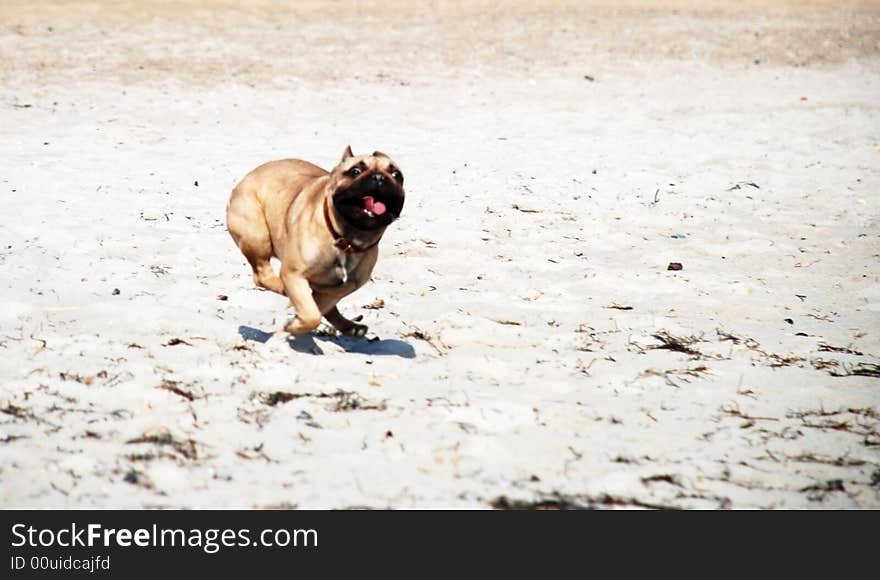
<point>532,386</point>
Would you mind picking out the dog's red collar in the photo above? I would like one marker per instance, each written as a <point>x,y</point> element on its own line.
<point>338,240</point>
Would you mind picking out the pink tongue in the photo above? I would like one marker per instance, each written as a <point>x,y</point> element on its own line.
<point>377,207</point>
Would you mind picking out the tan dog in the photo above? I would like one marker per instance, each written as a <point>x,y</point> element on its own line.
<point>323,227</point>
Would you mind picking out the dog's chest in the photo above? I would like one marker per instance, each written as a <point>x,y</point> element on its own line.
<point>342,268</point>
<point>342,271</point>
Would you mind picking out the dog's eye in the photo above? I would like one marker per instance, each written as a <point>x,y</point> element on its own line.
<point>397,176</point>
<point>355,171</point>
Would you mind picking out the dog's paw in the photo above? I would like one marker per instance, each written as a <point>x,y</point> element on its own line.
<point>356,330</point>
<point>297,325</point>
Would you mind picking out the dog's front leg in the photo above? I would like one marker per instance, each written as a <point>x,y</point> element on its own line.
<point>308,315</point>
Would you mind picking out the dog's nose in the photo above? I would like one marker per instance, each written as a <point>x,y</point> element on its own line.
<point>378,178</point>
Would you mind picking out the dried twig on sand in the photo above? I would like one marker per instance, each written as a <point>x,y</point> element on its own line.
<point>696,372</point>
<point>344,400</point>
<point>419,334</point>
<point>682,344</point>
<point>824,347</point>
<point>186,447</point>
<point>174,387</point>
<point>840,369</point>
<point>733,411</point>
<point>558,501</point>
<point>858,370</point>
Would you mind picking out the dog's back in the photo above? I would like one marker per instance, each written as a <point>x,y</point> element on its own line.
<point>257,209</point>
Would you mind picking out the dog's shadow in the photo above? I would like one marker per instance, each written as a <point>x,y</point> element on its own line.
<point>305,343</point>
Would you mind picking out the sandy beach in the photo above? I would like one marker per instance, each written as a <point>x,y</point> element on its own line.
<point>638,267</point>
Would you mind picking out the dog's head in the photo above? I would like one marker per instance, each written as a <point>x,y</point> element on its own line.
<point>367,190</point>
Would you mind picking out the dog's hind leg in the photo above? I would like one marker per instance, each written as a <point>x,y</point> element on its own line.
<point>247,225</point>
<point>327,306</point>
<point>344,325</point>
<point>264,275</point>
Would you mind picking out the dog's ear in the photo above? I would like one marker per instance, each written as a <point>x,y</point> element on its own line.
<point>380,154</point>
<point>347,154</point>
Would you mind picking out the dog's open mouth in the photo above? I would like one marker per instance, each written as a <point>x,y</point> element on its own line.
<point>369,207</point>
<point>373,206</point>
